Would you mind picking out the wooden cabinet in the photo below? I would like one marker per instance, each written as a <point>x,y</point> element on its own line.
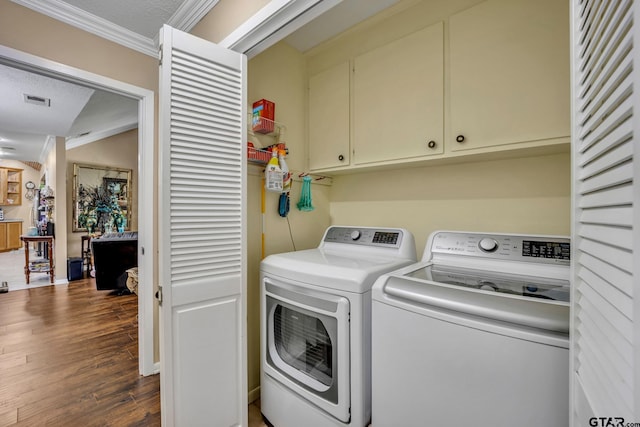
<point>398,95</point>
<point>10,186</point>
<point>329,118</point>
<point>10,233</point>
<point>509,69</point>
<point>14,231</point>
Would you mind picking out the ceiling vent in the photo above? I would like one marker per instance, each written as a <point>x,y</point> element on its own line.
<point>37,100</point>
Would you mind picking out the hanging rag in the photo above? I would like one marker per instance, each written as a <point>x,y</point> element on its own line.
<point>305,203</point>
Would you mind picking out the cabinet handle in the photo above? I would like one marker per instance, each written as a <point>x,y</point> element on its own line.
<point>431,144</point>
<point>460,138</point>
<point>341,157</point>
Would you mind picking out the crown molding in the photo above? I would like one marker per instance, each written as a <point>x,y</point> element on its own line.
<point>185,18</point>
<point>188,15</point>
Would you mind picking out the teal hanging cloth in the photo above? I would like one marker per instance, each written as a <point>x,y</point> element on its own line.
<point>305,203</point>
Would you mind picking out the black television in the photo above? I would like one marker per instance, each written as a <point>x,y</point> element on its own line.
<point>113,255</point>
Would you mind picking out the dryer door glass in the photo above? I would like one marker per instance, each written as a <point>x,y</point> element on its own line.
<point>303,342</point>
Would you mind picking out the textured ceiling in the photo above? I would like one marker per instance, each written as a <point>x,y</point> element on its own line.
<point>66,102</point>
<point>144,17</point>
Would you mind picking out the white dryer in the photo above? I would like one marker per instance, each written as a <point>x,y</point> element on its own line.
<point>316,326</point>
<point>477,333</point>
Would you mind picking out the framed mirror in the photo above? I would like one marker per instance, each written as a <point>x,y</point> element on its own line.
<point>101,198</point>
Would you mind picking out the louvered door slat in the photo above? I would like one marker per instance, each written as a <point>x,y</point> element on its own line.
<point>609,90</point>
<point>604,340</point>
<point>615,237</point>
<point>616,175</point>
<point>607,122</point>
<point>612,158</point>
<point>615,296</point>
<point>602,48</point>
<point>623,280</point>
<point>617,216</point>
<point>610,254</point>
<point>616,196</point>
<point>605,141</point>
<point>598,331</point>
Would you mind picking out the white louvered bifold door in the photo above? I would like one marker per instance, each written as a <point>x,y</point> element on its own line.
<point>605,329</point>
<point>202,232</point>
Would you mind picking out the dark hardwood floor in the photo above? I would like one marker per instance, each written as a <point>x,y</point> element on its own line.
<point>69,357</point>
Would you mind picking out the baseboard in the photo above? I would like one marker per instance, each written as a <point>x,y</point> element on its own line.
<point>40,284</point>
<point>254,394</point>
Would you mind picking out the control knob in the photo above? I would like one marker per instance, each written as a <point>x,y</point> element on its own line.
<point>355,235</point>
<point>488,244</point>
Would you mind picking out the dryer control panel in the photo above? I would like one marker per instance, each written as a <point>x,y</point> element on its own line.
<point>511,247</point>
<point>386,237</point>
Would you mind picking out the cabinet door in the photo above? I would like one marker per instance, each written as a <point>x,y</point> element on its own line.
<point>14,187</point>
<point>3,186</point>
<point>14,230</point>
<point>510,73</point>
<point>398,98</point>
<point>3,236</point>
<point>329,118</point>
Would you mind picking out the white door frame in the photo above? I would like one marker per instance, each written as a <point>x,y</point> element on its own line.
<point>146,224</point>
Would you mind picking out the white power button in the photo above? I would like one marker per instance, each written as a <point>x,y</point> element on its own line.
<point>488,244</point>
<point>355,235</point>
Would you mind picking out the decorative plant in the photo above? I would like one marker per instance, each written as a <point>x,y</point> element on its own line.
<point>98,209</point>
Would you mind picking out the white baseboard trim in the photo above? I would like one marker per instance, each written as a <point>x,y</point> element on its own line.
<point>40,284</point>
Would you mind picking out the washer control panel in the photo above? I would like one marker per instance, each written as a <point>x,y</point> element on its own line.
<point>387,237</point>
<point>534,248</point>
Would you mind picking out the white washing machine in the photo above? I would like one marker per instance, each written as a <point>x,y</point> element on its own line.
<point>477,333</point>
<point>316,326</point>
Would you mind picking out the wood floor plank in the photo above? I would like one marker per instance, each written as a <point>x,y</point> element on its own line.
<point>69,356</point>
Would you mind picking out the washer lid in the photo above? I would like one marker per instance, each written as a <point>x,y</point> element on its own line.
<point>349,271</point>
<point>525,286</point>
<point>414,285</point>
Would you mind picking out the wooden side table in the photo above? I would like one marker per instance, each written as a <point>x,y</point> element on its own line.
<point>40,267</point>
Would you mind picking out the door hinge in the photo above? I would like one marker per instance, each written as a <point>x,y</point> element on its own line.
<point>160,55</point>
<point>159,295</point>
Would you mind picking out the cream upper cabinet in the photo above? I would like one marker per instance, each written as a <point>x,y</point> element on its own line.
<point>398,99</point>
<point>509,69</point>
<point>329,118</point>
